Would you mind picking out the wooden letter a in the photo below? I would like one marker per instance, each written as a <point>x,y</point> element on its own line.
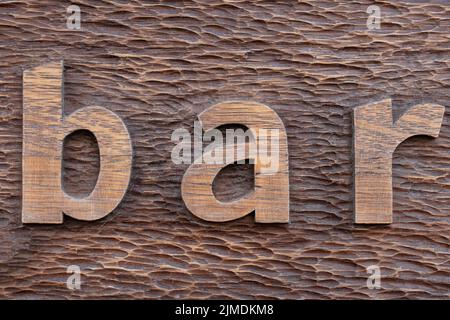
<point>270,198</point>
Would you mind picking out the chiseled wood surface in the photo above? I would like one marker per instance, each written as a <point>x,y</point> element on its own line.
<point>375,138</point>
<point>158,65</point>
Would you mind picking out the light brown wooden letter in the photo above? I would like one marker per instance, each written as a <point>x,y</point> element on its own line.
<point>375,139</point>
<point>270,198</point>
<point>44,129</point>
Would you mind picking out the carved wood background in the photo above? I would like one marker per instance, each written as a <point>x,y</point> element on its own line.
<point>158,65</point>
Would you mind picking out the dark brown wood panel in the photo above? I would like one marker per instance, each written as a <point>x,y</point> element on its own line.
<point>158,65</point>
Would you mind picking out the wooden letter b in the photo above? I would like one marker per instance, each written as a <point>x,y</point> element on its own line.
<point>44,130</point>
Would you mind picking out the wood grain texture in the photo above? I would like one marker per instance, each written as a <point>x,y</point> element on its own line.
<point>44,130</point>
<point>375,138</point>
<point>266,150</point>
<point>158,66</point>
